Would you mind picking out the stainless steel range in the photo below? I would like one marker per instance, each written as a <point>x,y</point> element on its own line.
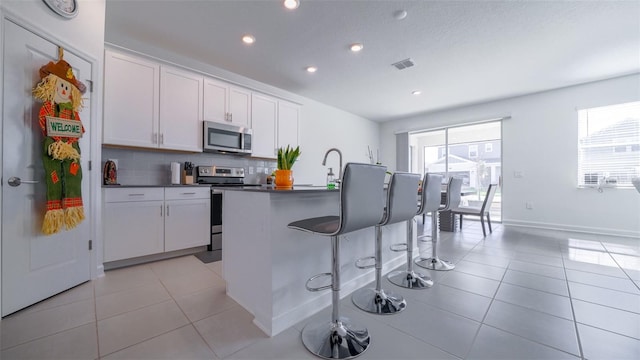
<point>218,176</point>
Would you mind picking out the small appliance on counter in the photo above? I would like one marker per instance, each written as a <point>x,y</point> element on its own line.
<point>110,173</point>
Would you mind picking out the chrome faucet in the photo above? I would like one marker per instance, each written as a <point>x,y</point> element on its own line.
<point>324,162</point>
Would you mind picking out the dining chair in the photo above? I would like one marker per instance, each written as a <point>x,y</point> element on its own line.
<point>481,211</point>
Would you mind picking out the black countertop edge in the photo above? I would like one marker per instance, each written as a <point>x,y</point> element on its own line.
<point>152,186</point>
<point>273,189</point>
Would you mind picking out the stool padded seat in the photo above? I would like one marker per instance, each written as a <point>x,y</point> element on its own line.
<point>318,225</point>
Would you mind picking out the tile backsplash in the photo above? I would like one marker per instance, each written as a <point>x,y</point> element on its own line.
<point>152,167</point>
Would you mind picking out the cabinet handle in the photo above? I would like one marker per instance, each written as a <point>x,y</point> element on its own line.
<point>167,210</point>
<point>136,194</point>
<point>161,139</point>
<point>160,210</point>
<point>231,117</point>
<point>189,193</point>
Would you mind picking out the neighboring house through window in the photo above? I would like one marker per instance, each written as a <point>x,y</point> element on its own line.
<point>609,145</point>
<point>473,151</point>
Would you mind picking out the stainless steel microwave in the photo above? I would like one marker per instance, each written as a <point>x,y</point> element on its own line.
<point>227,139</point>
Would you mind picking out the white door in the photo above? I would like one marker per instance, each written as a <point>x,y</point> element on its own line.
<point>35,266</point>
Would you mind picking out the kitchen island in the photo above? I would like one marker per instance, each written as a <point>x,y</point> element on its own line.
<point>266,264</point>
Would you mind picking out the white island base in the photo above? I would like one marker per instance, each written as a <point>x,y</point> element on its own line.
<point>266,264</point>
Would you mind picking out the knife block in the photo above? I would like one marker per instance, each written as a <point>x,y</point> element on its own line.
<point>187,179</point>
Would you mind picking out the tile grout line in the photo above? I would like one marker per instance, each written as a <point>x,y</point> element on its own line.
<point>95,314</point>
<point>573,311</point>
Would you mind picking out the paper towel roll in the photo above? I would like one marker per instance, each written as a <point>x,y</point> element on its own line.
<point>175,173</point>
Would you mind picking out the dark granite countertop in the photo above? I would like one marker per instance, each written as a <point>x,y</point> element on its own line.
<point>273,189</point>
<point>149,186</point>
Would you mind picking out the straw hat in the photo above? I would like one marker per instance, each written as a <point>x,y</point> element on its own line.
<point>63,70</point>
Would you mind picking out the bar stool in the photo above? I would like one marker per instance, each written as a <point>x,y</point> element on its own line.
<point>408,278</point>
<point>401,206</point>
<point>432,204</point>
<point>361,206</point>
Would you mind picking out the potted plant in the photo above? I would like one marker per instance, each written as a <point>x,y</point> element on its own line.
<point>286,158</point>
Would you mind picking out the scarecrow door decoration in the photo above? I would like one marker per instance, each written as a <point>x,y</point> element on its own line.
<point>61,94</point>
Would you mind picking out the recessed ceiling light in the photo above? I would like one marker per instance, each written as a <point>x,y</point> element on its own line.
<point>311,69</point>
<point>400,14</point>
<point>291,4</point>
<point>248,39</point>
<point>416,92</point>
<point>356,47</point>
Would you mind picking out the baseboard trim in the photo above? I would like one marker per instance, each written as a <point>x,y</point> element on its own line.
<point>564,227</point>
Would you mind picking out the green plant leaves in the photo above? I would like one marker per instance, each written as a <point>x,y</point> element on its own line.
<point>287,157</point>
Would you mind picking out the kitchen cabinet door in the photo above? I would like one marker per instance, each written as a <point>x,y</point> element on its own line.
<point>180,110</point>
<point>133,229</point>
<point>240,106</point>
<point>264,115</point>
<point>288,124</point>
<point>186,224</point>
<point>131,93</point>
<point>216,100</point>
<point>227,104</point>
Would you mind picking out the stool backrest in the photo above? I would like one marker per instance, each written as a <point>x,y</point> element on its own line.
<point>402,198</point>
<point>454,190</point>
<point>431,189</point>
<point>361,196</point>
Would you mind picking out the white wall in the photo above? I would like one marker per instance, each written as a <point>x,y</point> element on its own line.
<point>322,126</point>
<point>540,140</point>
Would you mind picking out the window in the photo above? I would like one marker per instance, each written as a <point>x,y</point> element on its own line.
<point>609,145</point>
<point>457,151</point>
<point>473,151</point>
<point>488,147</point>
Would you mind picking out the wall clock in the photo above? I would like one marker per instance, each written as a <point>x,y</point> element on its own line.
<point>64,8</point>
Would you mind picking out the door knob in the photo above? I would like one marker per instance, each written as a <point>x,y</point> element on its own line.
<point>15,181</point>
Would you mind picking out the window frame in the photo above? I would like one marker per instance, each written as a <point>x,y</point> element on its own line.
<point>595,162</point>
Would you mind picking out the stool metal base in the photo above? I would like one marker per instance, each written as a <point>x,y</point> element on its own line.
<point>335,340</point>
<point>435,264</point>
<point>378,301</point>
<point>410,279</point>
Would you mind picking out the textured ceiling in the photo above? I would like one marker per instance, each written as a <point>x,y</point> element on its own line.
<point>464,51</point>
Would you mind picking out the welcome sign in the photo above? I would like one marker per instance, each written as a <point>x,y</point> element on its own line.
<point>63,127</point>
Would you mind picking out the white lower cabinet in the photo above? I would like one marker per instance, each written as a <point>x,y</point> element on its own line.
<point>187,220</point>
<point>146,221</point>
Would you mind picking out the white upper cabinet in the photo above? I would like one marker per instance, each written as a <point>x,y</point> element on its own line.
<point>240,106</point>
<point>180,110</point>
<point>151,106</point>
<point>264,117</point>
<point>131,93</point>
<point>216,98</point>
<point>288,124</point>
<point>275,124</point>
<point>225,103</point>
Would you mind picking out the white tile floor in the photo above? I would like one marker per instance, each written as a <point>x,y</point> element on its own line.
<point>517,294</point>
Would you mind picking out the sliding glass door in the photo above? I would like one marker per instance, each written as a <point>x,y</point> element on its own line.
<point>470,152</point>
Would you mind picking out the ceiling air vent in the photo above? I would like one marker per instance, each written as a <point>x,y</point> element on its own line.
<point>403,64</point>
